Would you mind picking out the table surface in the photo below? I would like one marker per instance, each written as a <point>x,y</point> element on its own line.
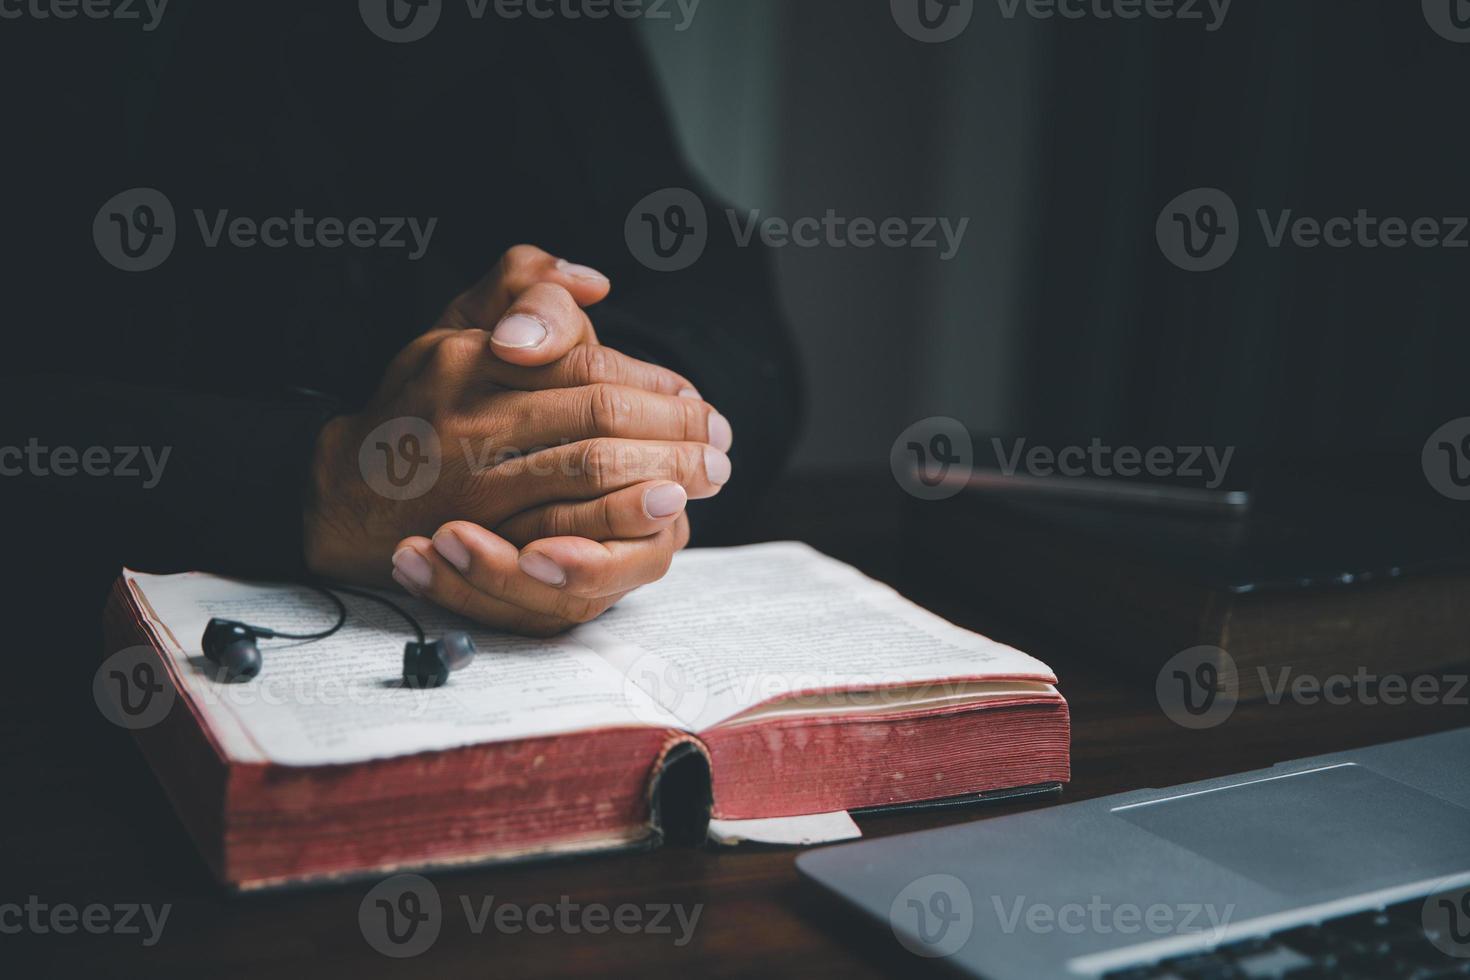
<point>86,823</point>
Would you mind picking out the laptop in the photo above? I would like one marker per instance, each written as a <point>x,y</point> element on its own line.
<point>1355,864</point>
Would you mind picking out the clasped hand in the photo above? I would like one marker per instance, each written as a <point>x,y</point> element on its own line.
<point>583,459</point>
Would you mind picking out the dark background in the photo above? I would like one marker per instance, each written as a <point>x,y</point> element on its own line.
<point>1062,140</point>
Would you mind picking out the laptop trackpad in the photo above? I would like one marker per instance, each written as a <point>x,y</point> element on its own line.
<point>1345,828</point>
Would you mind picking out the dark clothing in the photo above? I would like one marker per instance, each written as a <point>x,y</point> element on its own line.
<point>543,132</point>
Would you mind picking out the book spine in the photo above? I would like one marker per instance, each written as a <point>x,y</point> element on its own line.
<point>681,791</point>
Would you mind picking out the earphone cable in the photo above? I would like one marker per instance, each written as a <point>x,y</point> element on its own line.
<point>341,620</point>
<point>373,597</point>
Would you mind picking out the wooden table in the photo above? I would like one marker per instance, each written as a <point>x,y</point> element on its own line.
<point>85,822</point>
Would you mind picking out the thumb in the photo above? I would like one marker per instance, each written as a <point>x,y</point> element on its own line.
<point>484,304</point>
<point>541,326</point>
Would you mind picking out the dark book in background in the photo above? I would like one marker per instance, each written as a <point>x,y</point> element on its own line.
<point>1349,566</point>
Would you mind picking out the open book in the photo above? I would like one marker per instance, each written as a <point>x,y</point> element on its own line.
<point>751,683</point>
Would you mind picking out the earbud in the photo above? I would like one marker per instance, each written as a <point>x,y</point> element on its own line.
<point>429,664</point>
<point>231,646</point>
<point>426,663</point>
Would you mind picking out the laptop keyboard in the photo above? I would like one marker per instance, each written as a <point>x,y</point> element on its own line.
<point>1389,943</point>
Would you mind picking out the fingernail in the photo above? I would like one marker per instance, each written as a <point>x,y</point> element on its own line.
<point>519,332</point>
<point>579,271</point>
<point>721,436</point>
<point>452,550</point>
<point>688,393</point>
<point>716,466</point>
<point>411,570</point>
<point>664,500</point>
<point>542,569</point>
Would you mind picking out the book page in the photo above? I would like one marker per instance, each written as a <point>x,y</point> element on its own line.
<point>732,628</point>
<point>801,831</point>
<point>341,699</point>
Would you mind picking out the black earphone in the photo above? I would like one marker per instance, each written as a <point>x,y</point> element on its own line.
<point>233,646</point>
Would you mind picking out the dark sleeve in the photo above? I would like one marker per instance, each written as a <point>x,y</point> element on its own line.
<point>161,480</point>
